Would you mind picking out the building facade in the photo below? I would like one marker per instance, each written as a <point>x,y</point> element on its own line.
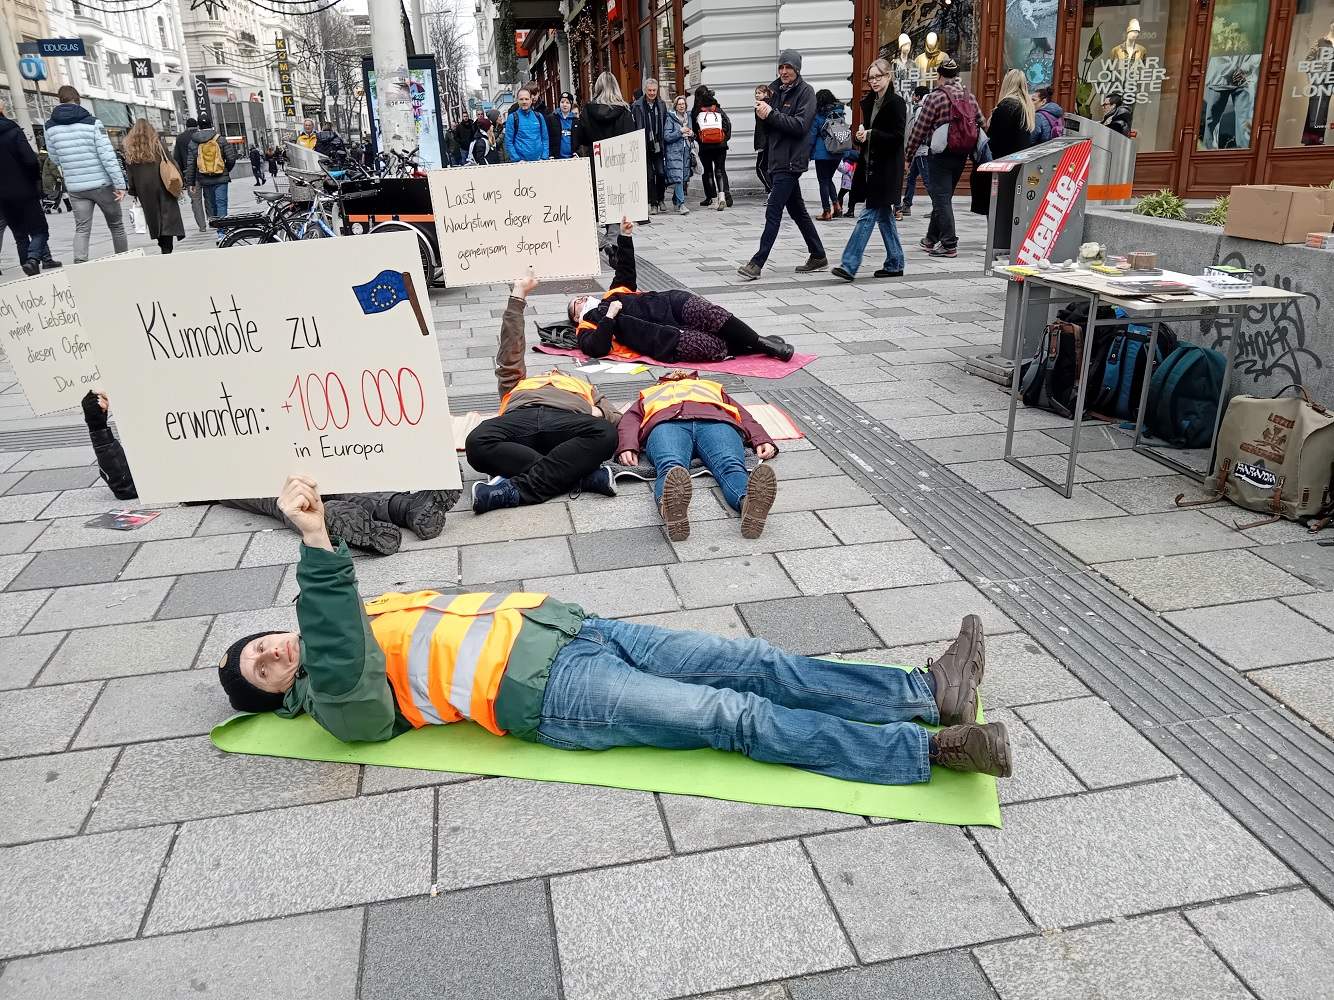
<point>226,47</point>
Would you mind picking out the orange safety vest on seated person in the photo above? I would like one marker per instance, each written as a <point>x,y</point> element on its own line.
<point>557,380</point>
<point>618,350</point>
<point>445,656</point>
<point>687,390</point>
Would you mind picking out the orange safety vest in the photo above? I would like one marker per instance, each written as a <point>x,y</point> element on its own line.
<point>557,380</point>
<point>618,350</point>
<point>686,390</point>
<point>445,656</point>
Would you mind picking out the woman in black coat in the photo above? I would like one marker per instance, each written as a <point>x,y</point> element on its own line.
<point>1010,130</point>
<point>879,176</point>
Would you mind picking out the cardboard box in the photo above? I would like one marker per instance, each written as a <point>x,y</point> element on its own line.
<point>1278,213</point>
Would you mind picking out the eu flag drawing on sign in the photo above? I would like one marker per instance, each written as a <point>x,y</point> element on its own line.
<point>386,290</point>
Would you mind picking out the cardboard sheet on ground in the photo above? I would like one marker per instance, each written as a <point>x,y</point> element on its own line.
<point>493,222</point>
<point>227,371</point>
<point>950,797</point>
<point>43,337</point>
<point>620,165</point>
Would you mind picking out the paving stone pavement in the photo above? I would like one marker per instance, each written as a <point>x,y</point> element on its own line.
<point>137,860</point>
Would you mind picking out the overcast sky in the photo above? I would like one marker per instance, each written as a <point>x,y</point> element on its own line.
<point>467,22</point>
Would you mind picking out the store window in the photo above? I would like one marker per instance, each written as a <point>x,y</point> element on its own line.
<point>665,45</point>
<point>917,36</point>
<point>1135,50</point>
<point>92,65</point>
<point>1030,39</point>
<point>1308,84</point>
<point>1236,39</point>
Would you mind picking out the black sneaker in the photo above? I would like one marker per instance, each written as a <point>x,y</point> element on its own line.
<point>926,244</point>
<point>354,525</point>
<point>882,273</point>
<point>813,263</point>
<point>31,267</point>
<point>599,481</point>
<point>943,251</point>
<point>729,200</point>
<point>980,749</point>
<point>488,496</point>
<point>838,272</point>
<point>905,211</point>
<point>49,264</point>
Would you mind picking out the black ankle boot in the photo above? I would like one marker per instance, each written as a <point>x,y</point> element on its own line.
<point>776,347</point>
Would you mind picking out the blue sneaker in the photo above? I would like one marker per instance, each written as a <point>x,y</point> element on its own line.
<point>486,496</point>
<point>599,481</point>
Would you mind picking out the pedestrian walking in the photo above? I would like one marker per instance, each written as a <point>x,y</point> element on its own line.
<point>826,163</point>
<point>307,135</point>
<point>526,134</point>
<point>650,112</point>
<point>565,119</point>
<point>208,166</point>
<point>676,161</point>
<point>879,174</point>
<point>713,130</point>
<point>179,152</point>
<point>917,166</point>
<point>787,117</point>
<point>257,165</point>
<point>21,196</point>
<point>451,148</point>
<point>1049,118</point>
<point>1009,130</point>
<point>145,154</point>
<point>605,116</point>
<point>499,153</point>
<point>953,105</point>
<point>464,132</point>
<point>271,158</point>
<point>762,94</point>
<point>78,144</point>
<point>847,167</point>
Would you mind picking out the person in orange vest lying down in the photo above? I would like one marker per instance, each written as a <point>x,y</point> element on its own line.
<point>672,326</point>
<point>553,431</point>
<point>683,416</point>
<point>547,671</point>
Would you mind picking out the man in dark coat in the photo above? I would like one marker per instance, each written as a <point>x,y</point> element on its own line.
<point>257,165</point>
<point>1115,115</point>
<point>787,115</point>
<point>464,131</point>
<point>179,153</point>
<point>21,196</point>
<point>650,113</point>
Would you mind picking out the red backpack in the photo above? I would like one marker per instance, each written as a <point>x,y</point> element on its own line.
<point>962,136</point>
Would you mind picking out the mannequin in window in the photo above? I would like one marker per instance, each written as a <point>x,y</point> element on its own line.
<point>1130,48</point>
<point>1317,108</point>
<point>931,58</point>
<point>901,67</point>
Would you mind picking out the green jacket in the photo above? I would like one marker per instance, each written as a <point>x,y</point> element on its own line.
<point>343,685</point>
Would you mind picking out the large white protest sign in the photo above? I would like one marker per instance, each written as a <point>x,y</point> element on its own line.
<point>494,222</point>
<point>230,369</point>
<point>621,167</point>
<point>45,342</point>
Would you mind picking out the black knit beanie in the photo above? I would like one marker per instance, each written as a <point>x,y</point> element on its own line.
<point>243,695</point>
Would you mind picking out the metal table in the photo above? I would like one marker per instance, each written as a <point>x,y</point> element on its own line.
<point>1098,290</point>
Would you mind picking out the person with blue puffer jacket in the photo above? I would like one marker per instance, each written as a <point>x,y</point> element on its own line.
<point>78,144</point>
<point>826,106</point>
<point>526,135</point>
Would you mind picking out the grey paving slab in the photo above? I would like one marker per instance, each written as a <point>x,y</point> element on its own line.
<point>123,650</point>
<point>219,519</point>
<point>1099,746</point>
<point>100,604</point>
<point>42,720</point>
<point>719,621</point>
<point>890,410</point>
<point>1306,688</point>
<point>634,507</point>
<point>419,569</point>
<point>1056,467</point>
<point>19,535</point>
<point>721,538</point>
<point>221,591</point>
<point>186,555</point>
<point>868,566</point>
<point>765,991</point>
<point>950,976</point>
<point>55,458</point>
<point>1153,958</point>
<point>11,567</point>
<point>507,829</point>
<point>508,560</point>
<point>923,614</point>
<point>22,656</point>
<point>802,464</point>
<point>622,548</point>
<point>981,447</point>
<point>273,547</point>
<point>1171,583</point>
<point>811,626</point>
<point>1150,494</point>
<point>77,891</point>
<point>855,525</point>
<point>1120,464</point>
<point>953,425</point>
<point>17,609</point>
<point>375,780</point>
<point>184,779</point>
<point>24,507</point>
<point>487,944</point>
<point>1255,634</point>
<point>700,824</point>
<point>819,493</point>
<point>463,527</point>
<point>1020,672</point>
<point>74,532</point>
<point>7,460</point>
<point>83,503</point>
<point>71,567</point>
<point>230,627</point>
<point>314,858</point>
<point>730,581</point>
<point>302,958</point>
<point>1143,535</point>
<point>1308,560</point>
<point>45,797</point>
<point>155,707</point>
<point>1041,774</point>
<point>45,480</point>
<point>877,896</point>
<point>613,593</point>
<point>1279,944</point>
<point>1318,607</point>
<point>696,923</point>
<point>1090,856</point>
<point>1040,505</point>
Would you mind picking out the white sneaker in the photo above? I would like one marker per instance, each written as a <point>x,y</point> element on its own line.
<point>682,210</point>
<point>721,206</point>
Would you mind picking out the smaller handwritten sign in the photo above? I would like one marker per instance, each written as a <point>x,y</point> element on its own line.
<point>622,173</point>
<point>43,338</point>
<point>494,222</point>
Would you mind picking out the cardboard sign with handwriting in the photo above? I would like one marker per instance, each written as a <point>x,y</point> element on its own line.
<point>621,167</point>
<point>44,339</point>
<point>226,373</point>
<point>493,222</point>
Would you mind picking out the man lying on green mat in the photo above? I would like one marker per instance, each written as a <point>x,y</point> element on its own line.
<point>547,671</point>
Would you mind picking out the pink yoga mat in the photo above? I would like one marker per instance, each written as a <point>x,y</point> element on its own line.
<point>754,365</point>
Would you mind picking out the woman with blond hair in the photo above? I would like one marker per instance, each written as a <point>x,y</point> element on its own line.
<point>144,154</point>
<point>1010,130</point>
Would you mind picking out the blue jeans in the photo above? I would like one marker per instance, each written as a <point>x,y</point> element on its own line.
<point>785,193</point>
<point>618,684</point>
<point>861,235</point>
<point>215,199</point>
<point>717,443</point>
<point>678,193</point>
<point>917,168</point>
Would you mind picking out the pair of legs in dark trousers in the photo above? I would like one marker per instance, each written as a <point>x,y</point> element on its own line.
<point>824,174</point>
<point>713,158</point>
<point>941,178</point>
<point>786,194</point>
<point>543,451</point>
<point>27,221</point>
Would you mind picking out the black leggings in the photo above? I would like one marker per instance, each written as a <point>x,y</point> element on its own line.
<point>166,243</point>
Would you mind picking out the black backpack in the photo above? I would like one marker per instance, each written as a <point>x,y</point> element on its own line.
<point>560,334</point>
<point>1050,379</point>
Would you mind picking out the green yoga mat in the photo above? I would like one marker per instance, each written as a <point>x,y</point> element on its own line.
<point>949,797</point>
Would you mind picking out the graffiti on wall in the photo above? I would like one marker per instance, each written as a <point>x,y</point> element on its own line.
<point>1272,339</point>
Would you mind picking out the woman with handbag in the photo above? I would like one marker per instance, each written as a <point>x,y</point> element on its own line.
<point>153,178</point>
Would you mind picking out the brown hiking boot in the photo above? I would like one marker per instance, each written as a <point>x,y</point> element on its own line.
<point>761,491</point>
<point>970,747</point>
<point>957,673</point>
<point>675,503</point>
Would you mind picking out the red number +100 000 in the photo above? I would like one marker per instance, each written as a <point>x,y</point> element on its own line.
<point>326,401</point>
